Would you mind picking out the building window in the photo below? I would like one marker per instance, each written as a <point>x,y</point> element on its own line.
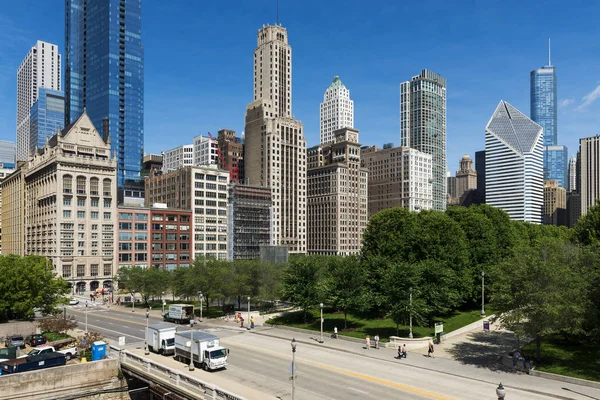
<point>107,203</point>
<point>157,246</point>
<point>157,237</point>
<point>67,184</point>
<point>124,246</point>
<point>171,246</point>
<point>94,270</point>
<point>66,213</point>
<point>141,236</point>
<point>81,214</point>
<point>66,271</point>
<point>124,235</point>
<point>107,187</point>
<point>81,270</point>
<point>171,218</point>
<point>107,215</point>
<point>81,185</point>
<point>94,202</point>
<point>184,246</point>
<point>94,214</point>
<point>125,257</point>
<point>125,226</point>
<point>67,201</point>
<point>171,236</point>
<point>141,217</point>
<point>157,217</point>
<point>125,216</point>
<point>94,186</point>
<point>141,246</point>
<point>107,269</point>
<point>141,257</point>
<point>140,226</point>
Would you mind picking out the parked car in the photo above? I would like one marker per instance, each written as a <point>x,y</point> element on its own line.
<point>69,353</point>
<point>15,341</point>
<point>73,302</point>
<point>35,340</point>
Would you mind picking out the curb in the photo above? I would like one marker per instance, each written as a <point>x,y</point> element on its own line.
<point>410,365</point>
<point>566,379</point>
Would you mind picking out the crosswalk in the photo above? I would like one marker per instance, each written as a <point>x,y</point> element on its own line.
<point>91,307</point>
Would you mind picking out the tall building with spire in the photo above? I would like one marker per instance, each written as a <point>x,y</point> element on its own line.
<point>39,69</point>
<point>543,111</point>
<point>423,125</point>
<point>337,110</point>
<point>275,146</point>
<point>104,75</point>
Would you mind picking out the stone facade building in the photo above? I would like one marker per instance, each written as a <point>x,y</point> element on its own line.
<point>398,177</point>
<point>67,206</point>
<point>337,196</point>
<point>555,204</point>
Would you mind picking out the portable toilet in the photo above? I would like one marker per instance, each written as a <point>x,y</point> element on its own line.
<point>98,350</point>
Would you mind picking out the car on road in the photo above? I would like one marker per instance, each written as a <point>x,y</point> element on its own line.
<point>73,302</point>
<point>35,340</point>
<point>15,341</point>
<point>69,353</point>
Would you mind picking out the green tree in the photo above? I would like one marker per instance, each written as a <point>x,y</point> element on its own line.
<point>145,281</point>
<point>345,281</point>
<point>587,230</point>
<point>28,284</point>
<point>541,290</point>
<point>401,279</point>
<point>301,282</point>
<point>391,234</point>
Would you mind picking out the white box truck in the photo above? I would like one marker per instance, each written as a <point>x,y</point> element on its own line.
<point>179,313</point>
<point>207,353</point>
<point>161,338</point>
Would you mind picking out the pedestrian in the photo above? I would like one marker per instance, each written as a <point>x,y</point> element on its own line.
<point>252,322</point>
<point>399,353</point>
<point>404,350</point>
<point>335,332</point>
<point>368,341</point>
<point>516,358</point>
<point>430,350</point>
<point>376,338</point>
<point>242,321</point>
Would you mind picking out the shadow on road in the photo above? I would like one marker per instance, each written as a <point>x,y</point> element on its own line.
<point>483,349</point>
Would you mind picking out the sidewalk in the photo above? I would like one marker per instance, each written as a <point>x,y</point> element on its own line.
<point>449,359</point>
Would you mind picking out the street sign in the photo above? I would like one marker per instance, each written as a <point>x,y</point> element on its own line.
<point>121,340</point>
<point>439,327</point>
<point>296,368</point>
<point>83,342</point>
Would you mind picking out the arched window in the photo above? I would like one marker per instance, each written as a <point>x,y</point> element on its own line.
<point>107,187</point>
<point>81,185</point>
<point>67,184</point>
<point>94,183</point>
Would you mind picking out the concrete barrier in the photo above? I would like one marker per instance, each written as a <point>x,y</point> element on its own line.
<point>411,344</point>
<point>567,379</point>
<point>75,378</point>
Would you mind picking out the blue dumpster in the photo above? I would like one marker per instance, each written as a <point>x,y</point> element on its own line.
<point>98,350</point>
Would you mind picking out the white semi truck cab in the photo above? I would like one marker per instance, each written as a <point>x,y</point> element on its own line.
<point>206,351</point>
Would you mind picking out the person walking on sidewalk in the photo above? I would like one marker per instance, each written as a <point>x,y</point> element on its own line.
<point>252,322</point>
<point>376,338</point>
<point>404,350</point>
<point>430,350</point>
<point>368,341</point>
<point>335,332</point>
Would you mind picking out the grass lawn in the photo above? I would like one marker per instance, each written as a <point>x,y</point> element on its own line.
<point>575,359</point>
<point>54,336</point>
<point>360,326</point>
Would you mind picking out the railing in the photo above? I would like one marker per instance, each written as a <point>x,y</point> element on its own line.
<point>173,377</point>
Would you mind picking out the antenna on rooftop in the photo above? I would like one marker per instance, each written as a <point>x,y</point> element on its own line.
<point>277,6</point>
<point>549,62</point>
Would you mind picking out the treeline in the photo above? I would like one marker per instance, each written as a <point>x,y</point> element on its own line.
<point>28,284</point>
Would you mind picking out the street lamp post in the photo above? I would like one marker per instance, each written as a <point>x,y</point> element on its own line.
<point>321,341</point>
<point>410,334</point>
<point>163,303</point>
<point>86,309</point>
<point>483,293</point>
<point>132,302</point>
<point>293,378</point>
<point>192,345</point>
<point>201,296</point>
<point>500,392</point>
<point>248,325</point>
<point>146,352</point>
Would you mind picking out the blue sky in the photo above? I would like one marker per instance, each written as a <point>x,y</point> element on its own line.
<point>198,61</point>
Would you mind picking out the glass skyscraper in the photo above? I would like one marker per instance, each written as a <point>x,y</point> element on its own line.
<point>47,116</point>
<point>557,162</point>
<point>105,75</point>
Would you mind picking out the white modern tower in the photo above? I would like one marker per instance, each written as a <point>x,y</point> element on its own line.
<point>514,164</point>
<point>337,110</point>
<point>39,69</point>
<point>572,174</point>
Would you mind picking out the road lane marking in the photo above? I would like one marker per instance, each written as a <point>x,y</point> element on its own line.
<point>119,333</point>
<point>117,319</point>
<point>357,390</point>
<point>385,382</point>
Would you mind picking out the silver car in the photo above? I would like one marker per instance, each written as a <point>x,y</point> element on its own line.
<point>15,341</point>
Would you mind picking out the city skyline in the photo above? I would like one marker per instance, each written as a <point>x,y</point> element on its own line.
<point>219,92</point>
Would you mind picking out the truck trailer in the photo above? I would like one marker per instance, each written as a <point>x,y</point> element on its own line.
<point>161,338</point>
<point>207,353</point>
<point>31,363</point>
<point>179,313</point>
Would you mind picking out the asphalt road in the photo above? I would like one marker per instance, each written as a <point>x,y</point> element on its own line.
<point>264,364</point>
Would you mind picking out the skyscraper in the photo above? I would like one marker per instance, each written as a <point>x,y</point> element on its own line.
<point>514,176</point>
<point>572,174</point>
<point>337,110</point>
<point>423,125</point>
<point>47,117</point>
<point>275,147</point>
<point>543,110</point>
<point>466,177</point>
<point>7,154</point>
<point>105,75</point>
<point>590,169</point>
<point>39,69</point>
<point>480,169</point>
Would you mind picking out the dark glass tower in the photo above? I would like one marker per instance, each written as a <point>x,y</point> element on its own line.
<point>105,75</point>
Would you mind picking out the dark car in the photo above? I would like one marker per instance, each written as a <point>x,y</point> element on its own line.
<point>15,341</point>
<point>35,340</point>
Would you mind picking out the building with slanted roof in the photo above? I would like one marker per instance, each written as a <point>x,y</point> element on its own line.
<point>514,164</point>
<point>337,110</point>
